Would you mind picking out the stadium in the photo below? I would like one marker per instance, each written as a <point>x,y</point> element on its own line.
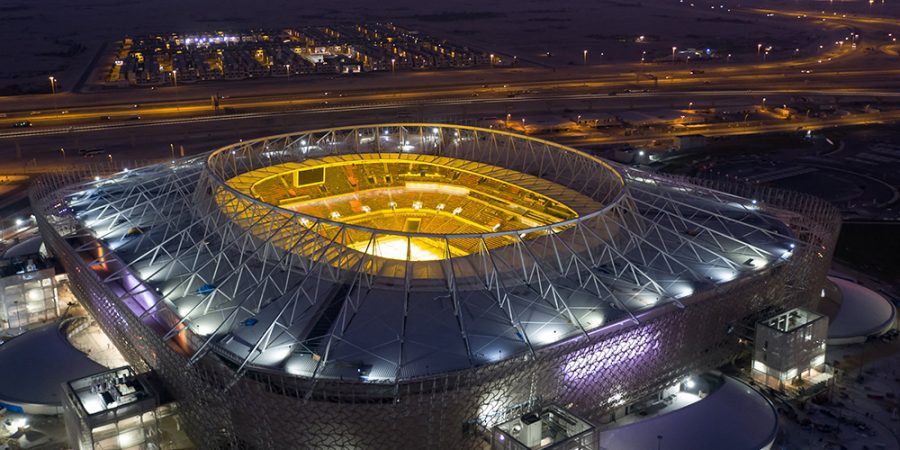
<point>414,285</point>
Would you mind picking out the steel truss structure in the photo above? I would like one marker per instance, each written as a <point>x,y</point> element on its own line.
<point>273,332</point>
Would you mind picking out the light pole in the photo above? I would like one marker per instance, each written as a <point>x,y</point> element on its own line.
<point>758,48</point>
<point>53,92</point>
<point>585,57</point>
<point>63,151</point>
<point>764,104</point>
<point>172,150</point>
<point>393,64</point>
<point>673,54</point>
<point>492,60</point>
<point>508,116</point>
<point>765,55</point>
<point>175,82</point>
<point>288,69</point>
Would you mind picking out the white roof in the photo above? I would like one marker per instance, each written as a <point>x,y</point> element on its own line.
<point>35,364</point>
<point>863,312</point>
<point>732,417</point>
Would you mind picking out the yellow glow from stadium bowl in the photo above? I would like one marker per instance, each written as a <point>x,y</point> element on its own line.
<point>395,247</point>
<point>426,174</point>
<point>411,194</point>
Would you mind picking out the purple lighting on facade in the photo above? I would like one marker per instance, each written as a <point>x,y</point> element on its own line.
<point>635,346</point>
<point>139,293</point>
<point>591,367</point>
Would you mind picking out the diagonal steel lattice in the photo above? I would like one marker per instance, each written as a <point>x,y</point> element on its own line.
<point>250,311</point>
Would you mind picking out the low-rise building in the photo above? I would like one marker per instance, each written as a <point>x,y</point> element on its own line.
<point>789,353</point>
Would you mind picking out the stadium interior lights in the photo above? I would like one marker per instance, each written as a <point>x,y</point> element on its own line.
<point>401,248</point>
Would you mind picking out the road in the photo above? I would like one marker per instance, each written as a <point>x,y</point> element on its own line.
<point>430,86</point>
<point>169,118</point>
<point>739,128</point>
<point>151,139</point>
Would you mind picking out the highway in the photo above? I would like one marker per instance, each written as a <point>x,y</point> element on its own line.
<point>642,99</point>
<point>196,100</point>
<point>126,142</point>
<point>132,124</point>
<point>740,128</point>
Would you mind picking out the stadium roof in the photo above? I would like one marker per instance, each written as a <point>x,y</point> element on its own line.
<point>267,288</point>
<point>36,363</point>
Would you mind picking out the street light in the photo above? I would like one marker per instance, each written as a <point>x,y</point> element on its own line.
<point>393,64</point>
<point>758,48</point>
<point>585,57</point>
<point>673,53</point>
<point>52,85</point>
<point>288,69</point>
<point>172,150</point>
<point>492,60</point>
<point>63,151</point>
<point>175,81</point>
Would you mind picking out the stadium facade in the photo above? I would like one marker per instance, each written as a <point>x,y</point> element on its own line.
<point>413,285</point>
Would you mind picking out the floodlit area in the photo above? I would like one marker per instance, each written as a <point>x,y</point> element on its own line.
<point>400,248</point>
<point>96,345</point>
<point>415,195</point>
